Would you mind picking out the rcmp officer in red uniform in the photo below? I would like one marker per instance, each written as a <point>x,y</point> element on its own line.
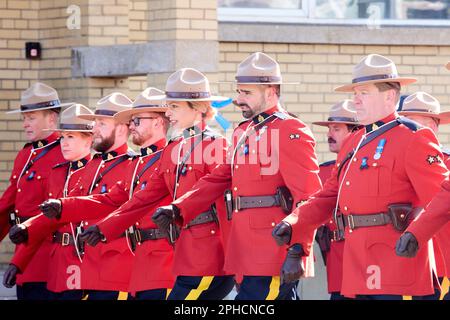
<point>40,108</point>
<point>425,109</point>
<point>271,166</point>
<point>341,123</point>
<point>380,177</point>
<point>76,142</point>
<point>198,256</point>
<point>153,255</point>
<point>99,277</point>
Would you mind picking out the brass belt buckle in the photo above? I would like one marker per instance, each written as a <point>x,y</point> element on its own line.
<point>237,204</point>
<point>65,239</point>
<point>351,222</point>
<point>17,220</point>
<point>137,235</point>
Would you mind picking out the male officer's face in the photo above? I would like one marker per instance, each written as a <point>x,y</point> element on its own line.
<point>428,122</point>
<point>372,105</point>
<point>104,132</point>
<point>337,132</point>
<point>143,132</point>
<point>251,99</point>
<point>75,145</point>
<point>35,122</point>
<point>181,115</point>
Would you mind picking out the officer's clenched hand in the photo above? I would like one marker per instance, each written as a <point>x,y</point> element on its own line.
<point>92,235</point>
<point>282,233</point>
<point>18,233</point>
<point>10,275</point>
<point>51,208</point>
<point>407,245</point>
<point>292,268</point>
<point>164,216</point>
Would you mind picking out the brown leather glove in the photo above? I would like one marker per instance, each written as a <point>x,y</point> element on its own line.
<point>292,268</point>
<point>51,208</point>
<point>407,245</point>
<point>282,233</point>
<point>92,236</point>
<point>10,276</point>
<point>18,234</point>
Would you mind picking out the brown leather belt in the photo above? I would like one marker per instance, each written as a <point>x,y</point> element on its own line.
<point>241,202</point>
<point>205,217</point>
<point>143,235</point>
<point>63,238</point>
<point>353,221</point>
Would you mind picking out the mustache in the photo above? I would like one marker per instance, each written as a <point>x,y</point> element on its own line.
<point>240,104</point>
<point>331,140</point>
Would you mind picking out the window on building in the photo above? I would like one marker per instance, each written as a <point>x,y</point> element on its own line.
<point>396,12</point>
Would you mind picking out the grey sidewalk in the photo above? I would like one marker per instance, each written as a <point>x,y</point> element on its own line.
<point>5,293</point>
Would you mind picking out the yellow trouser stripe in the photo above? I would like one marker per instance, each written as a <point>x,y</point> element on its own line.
<point>122,295</point>
<point>407,297</point>
<point>444,287</point>
<point>168,291</point>
<point>85,297</point>
<point>274,288</point>
<point>204,285</point>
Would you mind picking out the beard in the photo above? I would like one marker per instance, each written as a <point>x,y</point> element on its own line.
<point>105,144</point>
<point>248,113</point>
<point>139,139</point>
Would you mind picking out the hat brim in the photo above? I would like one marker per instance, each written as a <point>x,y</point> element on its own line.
<point>350,87</point>
<point>32,110</point>
<point>211,98</point>
<point>124,116</point>
<point>444,117</point>
<point>257,83</point>
<point>66,130</point>
<point>326,123</point>
<point>93,117</point>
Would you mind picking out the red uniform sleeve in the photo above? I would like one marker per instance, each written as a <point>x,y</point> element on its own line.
<point>306,218</point>
<point>298,162</point>
<point>142,202</point>
<point>435,216</point>
<point>94,206</point>
<point>39,228</point>
<point>424,165</point>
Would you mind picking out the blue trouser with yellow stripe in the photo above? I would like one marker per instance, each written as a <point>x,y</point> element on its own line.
<point>266,288</point>
<point>201,288</point>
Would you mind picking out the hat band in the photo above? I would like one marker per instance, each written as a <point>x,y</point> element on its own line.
<point>346,119</point>
<point>187,95</point>
<point>40,105</point>
<point>258,79</point>
<point>420,110</point>
<point>375,77</point>
<point>105,112</point>
<point>63,126</point>
<point>149,106</point>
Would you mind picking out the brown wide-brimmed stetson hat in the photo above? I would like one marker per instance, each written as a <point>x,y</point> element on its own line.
<point>425,105</point>
<point>341,113</point>
<point>108,106</point>
<point>144,102</point>
<point>259,68</point>
<point>188,84</point>
<point>70,120</point>
<point>38,96</point>
<point>374,68</point>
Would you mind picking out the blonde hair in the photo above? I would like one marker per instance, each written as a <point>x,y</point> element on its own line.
<point>199,105</point>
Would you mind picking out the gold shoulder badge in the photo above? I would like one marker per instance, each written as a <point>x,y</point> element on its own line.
<point>40,144</point>
<point>79,164</point>
<point>149,151</point>
<point>191,132</point>
<point>260,118</point>
<point>110,156</point>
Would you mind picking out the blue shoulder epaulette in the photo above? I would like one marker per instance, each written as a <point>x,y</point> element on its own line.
<point>412,125</point>
<point>446,151</point>
<point>210,133</point>
<point>328,163</point>
<point>132,153</point>
<point>281,115</point>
